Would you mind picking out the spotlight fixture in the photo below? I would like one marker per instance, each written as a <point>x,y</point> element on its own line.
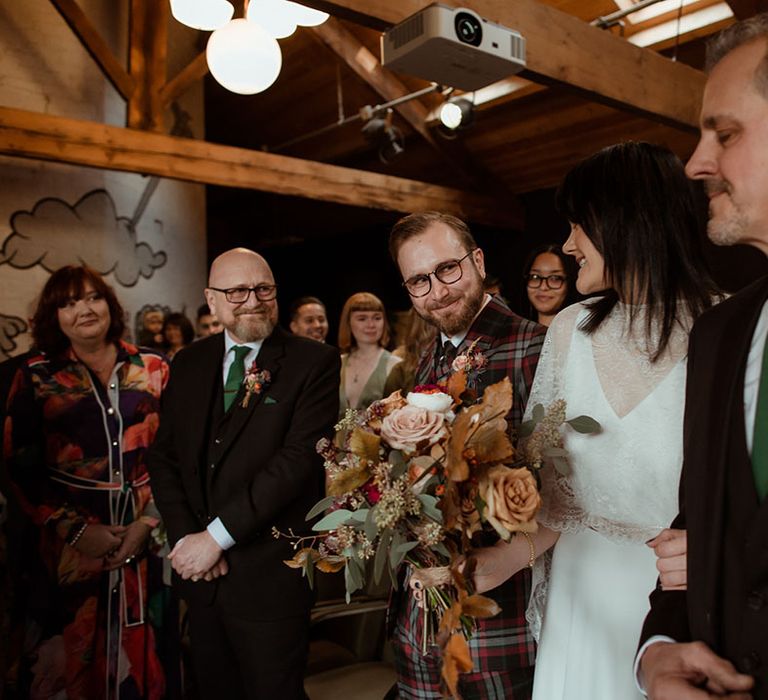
<point>457,113</point>
<point>383,134</point>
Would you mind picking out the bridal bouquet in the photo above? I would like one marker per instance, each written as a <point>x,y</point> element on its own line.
<point>419,479</point>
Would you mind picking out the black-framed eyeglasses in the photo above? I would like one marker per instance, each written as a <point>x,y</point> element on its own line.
<point>553,281</point>
<point>448,272</point>
<point>239,295</point>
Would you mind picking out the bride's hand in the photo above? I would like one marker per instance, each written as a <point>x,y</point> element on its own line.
<point>671,547</point>
<point>491,566</point>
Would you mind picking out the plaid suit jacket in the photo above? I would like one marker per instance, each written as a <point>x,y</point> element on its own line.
<point>510,343</point>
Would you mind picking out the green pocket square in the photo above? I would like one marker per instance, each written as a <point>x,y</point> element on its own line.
<point>269,399</point>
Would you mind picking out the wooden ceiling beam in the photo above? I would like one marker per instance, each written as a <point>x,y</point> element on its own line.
<point>747,8</point>
<point>148,49</point>
<point>359,58</point>
<point>194,71</point>
<point>91,40</point>
<point>41,136</point>
<point>564,50</point>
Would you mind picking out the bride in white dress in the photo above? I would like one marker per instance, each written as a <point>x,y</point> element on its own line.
<point>619,358</point>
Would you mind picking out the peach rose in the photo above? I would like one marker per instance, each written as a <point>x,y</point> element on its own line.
<point>409,426</point>
<point>512,500</point>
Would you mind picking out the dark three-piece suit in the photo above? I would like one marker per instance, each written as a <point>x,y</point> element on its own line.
<point>255,467</point>
<point>726,604</point>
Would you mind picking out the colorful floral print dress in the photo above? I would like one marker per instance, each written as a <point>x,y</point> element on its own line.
<point>76,451</point>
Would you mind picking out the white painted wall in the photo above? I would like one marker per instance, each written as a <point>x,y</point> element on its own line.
<point>44,68</point>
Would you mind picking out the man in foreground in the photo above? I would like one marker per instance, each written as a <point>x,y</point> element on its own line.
<point>711,640</point>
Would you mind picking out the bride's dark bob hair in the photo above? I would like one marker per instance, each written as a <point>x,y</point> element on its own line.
<point>635,203</point>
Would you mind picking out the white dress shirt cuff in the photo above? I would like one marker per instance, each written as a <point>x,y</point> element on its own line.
<point>638,657</point>
<point>219,533</point>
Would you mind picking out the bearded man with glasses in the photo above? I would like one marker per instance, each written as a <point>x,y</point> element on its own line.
<point>234,457</point>
<point>443,272</point>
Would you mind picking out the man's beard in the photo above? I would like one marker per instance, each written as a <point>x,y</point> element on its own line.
<point>461,318</point>
<point>732,228</point>
<point>253,324</point>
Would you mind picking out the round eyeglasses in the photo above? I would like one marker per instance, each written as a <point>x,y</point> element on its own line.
<point>552,281</point>
<point>448,272</point>
<point>239,295</point>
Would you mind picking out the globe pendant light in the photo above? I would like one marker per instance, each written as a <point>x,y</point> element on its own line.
<point>274,15</point>
<point>202,14</point>
<point>243,57</point>
<point>306,16</point>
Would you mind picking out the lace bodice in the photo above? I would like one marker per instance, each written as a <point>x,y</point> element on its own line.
<point>624,479</point>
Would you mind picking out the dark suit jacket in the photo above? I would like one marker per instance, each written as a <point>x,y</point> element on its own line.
<point>717,354</point>
<point>255,468</point>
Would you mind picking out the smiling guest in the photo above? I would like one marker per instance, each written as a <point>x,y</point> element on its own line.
<point>443,271</point>
<point>82,413</point>
<point>234,457</point>
<point>309,319</point>
<point>365,362</point>
<point>548,279</point>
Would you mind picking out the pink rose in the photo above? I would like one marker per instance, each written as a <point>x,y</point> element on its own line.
<point>409,426</point>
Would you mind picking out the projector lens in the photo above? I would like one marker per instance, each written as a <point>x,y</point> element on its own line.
<point>468,28</point>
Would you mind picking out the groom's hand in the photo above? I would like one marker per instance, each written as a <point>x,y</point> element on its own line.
<point>691,672</point>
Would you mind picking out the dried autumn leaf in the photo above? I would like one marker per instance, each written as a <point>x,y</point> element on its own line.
<point>480,431</point>
<point>365,445</point>
<point>451,620</point>
<point>457,385</point>
<point>456,660</point>
<point>330,565</point>
<point>299,560</point>
<point>479,606</point>
<point>349,480</point>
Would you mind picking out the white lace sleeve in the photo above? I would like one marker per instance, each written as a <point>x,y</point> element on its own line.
<point>548,385</point>
<point>558,503</point>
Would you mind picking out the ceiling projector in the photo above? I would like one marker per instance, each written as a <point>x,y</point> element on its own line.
<point>453,46</point>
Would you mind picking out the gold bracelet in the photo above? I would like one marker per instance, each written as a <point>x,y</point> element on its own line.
<point>532,557</point>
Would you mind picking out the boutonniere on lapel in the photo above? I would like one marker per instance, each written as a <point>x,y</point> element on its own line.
<point>256,380</point>
<point>471,363</point>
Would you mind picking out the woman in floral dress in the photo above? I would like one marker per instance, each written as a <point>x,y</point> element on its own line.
<point>82,413</point>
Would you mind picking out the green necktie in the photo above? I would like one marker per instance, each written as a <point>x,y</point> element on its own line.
<point>236,374</point>
<point>760,442</point>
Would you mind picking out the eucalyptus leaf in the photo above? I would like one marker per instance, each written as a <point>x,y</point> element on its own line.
<point>584,424</point>
<point>397,539</point>
<point>370,528</point>
<point>538,412</point>
<point>554,452</point>
<point>526,428</point>
<point>380,561</point>
<point>441,549</point>
<point>353,580</point>
<point>360,515</point>
<point>333,520</point>
<point>429,506</point>
<point>399,465</point>
<point>309,570</point>
<point>561,464</point>
<point>320,506</point>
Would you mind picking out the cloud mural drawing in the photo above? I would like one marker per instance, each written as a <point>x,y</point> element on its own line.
<point>54,234</point>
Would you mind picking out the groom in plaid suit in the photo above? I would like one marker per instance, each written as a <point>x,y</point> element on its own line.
<point>443,271</point>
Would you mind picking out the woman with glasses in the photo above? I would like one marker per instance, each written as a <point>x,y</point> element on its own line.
<point>548,275</point>
<point>620,357</point>
<point>82,414</point>
<point>365,361</point>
